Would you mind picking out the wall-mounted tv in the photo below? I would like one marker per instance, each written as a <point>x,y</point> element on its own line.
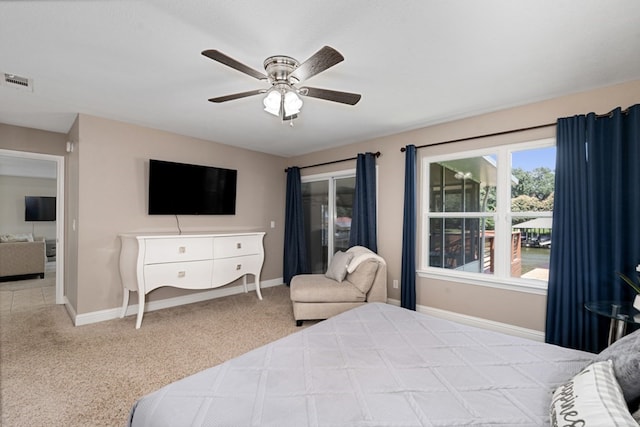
<point>186,189</point>
<point>37,208</point>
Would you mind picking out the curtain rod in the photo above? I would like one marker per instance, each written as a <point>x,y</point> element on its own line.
<point>506,132</point>
<point>451,141</point>
<point>377,154</point>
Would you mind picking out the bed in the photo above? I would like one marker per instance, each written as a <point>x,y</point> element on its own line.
<point>376,365</point>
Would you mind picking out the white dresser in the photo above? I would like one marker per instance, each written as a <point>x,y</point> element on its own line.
<point>188,261</point>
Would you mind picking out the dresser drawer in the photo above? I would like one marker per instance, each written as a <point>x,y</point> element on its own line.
<point>231,246</point>
<point>226,270</point>
<point>178,249</point>
<point>186,275</point>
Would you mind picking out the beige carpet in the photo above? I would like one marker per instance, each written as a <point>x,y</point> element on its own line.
<point>55,374</point>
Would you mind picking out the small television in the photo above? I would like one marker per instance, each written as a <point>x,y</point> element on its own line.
<point>38,208</point>
<point>187,189</point>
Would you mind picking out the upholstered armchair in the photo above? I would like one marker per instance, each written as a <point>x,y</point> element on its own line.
<point>354,278</point>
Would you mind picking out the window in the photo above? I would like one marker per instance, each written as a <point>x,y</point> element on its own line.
<point>487,214</point>
<point>327,201</point>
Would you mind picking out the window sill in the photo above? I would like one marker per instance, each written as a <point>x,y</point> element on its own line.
<point>518,285</point>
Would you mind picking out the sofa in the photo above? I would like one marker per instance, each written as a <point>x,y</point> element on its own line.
<point>353,278</point>
<point>22,256</point>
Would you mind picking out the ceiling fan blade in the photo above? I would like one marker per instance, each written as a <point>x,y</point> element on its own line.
<point>216,55</point>
<point>237,95</point>
<point>323,59</point>
<point>331,95</point>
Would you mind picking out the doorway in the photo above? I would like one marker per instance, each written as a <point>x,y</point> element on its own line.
<point>26,164</point>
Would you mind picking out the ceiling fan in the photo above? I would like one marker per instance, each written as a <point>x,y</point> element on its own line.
<point>283,73</point>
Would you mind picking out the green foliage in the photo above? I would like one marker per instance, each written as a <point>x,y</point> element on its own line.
<point>534,190</point>
<point>524,203</point>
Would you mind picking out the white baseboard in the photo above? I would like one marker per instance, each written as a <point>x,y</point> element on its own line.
<point>70,310</point>
<point>479,322</point>
<point>114,313</point>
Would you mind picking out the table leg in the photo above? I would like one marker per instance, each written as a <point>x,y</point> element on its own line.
<point>621,329</point>
<point>612,332</point>
<point>617,328</point>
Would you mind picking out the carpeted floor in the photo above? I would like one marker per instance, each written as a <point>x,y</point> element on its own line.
<point>55,374</point>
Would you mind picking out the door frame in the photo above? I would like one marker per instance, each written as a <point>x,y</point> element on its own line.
<point>60,212</point>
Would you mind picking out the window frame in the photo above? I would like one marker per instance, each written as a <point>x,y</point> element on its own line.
<point>502,216</point>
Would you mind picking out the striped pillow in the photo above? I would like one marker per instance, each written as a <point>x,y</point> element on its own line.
<point>591,398</point>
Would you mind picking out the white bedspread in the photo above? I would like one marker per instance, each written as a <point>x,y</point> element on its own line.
<point>376,365</point>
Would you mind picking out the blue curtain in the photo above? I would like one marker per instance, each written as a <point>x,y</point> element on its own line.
<point>364,222</point>
<point>596,231</point>
<point>408,272</point>
<point>295,248</point>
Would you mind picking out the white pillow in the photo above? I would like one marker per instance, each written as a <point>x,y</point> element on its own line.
<point>591,398</point>
<point>360,254</point>
<point>338,267</point>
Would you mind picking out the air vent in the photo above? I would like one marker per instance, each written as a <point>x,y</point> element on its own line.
<point>17,82</point>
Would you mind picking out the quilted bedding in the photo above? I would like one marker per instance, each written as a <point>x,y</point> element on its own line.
<point>376,365</point>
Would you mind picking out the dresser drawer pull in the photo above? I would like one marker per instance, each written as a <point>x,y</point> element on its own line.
<point>238,245</point>
<point>182,273</point>
<point>182,249</point>
<point>239,267</point>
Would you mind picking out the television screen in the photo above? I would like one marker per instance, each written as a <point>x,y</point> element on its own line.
<point>185,189</point>
<point>39,208</point>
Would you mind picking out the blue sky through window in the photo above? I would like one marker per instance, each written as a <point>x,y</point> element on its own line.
<point>531,159</point>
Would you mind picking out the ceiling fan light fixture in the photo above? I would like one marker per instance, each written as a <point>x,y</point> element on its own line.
<point>292,103</point>
<point>282,100</point>
<point>272,102</point>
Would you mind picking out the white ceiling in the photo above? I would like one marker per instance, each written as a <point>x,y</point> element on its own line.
<point>415,62</point>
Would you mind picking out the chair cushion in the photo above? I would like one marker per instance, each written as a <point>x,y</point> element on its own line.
<point>318,288</point>
<point>363,276</point>
<point>338,267</point>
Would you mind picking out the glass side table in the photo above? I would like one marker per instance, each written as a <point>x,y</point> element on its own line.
<point>620,314</point>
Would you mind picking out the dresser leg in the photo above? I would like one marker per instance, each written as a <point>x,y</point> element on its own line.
<point>125,302</point>
<point>140,309</point>
<point>257,280</point>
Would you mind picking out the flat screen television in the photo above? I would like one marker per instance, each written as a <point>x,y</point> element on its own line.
<point>186,189</point>
<point>38,208</point>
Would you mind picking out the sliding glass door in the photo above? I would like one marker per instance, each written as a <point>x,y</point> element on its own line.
<point>327,203</point>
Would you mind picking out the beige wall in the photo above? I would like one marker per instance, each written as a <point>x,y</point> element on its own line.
<point>113,161</point>
<point>12,192</point>
<point>513,307</point>
<point>32,140</point>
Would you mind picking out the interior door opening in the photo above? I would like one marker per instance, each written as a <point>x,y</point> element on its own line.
<point>29,165</point>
